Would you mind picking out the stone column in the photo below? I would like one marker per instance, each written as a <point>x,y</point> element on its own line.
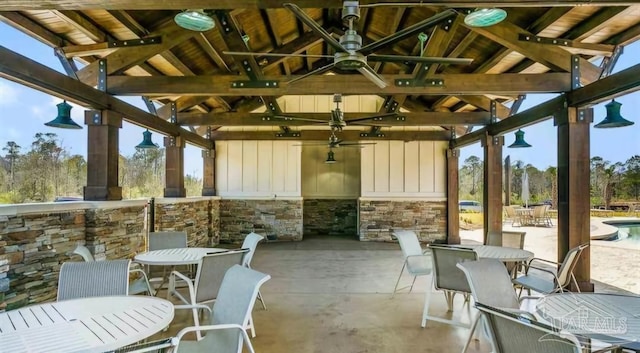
<point>209,172</point>
<point>453,210</point>
<point>174,172</point>
<point>573,188</point>
<point>492,191</point>
<point>102,155</point>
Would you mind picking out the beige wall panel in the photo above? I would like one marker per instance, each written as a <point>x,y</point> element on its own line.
<point>427,166</point>
<point>396,166</point>
<point>292,171</point>
<point>234,173</point>
<point>440,167</point>
<point>265,160</point>
<point>279,165</point>
<point>367,163</point>
<point>381,168</point>
<point>412,166</point>
<point>222,166</point>
<point>250,166</point>
<point>352,171</point>
<point>309,169</point>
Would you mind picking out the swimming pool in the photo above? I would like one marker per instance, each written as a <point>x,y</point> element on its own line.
<point>628,230</point>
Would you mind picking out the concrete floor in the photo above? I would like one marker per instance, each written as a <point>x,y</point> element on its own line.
<point>332,294</point>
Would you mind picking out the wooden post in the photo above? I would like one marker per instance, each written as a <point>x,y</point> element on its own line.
<point>209,172</point>
<point>102,155</point>
<point>174,169</point>
<point>507,181</point>
<point>492,191</point>
<point>573,188</point>
<point>453,210</point>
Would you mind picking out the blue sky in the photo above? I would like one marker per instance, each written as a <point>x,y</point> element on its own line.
<point>24,112</point>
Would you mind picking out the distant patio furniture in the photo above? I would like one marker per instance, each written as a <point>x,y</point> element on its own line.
<point>547,280</point>
<point>541,216</point>
<point>204,289</point>
<point>514,332</point>
<point>416,260</point>
<point>490,284</point>
<point>511,215</point>
<point>251,242</point>
<point>231,313</point>
<point>447,277</point>
<point>508,239</point>
<point>525,216</point>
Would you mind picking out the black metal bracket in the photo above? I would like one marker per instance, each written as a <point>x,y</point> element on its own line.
<point>545,40</point>
<point>447,24</point>
<point>150,107</point>
<point>173,118</point>
<point>288,134</point>
<point>516,104</point>
<point>609,62</point>
<point>134,42</point>
<point>371,134</point>
<point>102,75</point>
<point>68,64</point>
<point>428,82</point>
<point>575,72</point>
<point>255,84</point>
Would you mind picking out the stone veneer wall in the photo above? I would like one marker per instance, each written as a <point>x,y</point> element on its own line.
<point>276,219</point>
<point>378,218</point>
<point>330,216</point>
<point>36,239</point>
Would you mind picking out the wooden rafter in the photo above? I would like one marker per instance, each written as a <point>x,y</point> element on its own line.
<point>318,135</point>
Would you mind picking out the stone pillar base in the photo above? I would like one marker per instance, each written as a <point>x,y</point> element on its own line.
<point>175,192</point>
<point>208,192</point>
<point>102,193</point>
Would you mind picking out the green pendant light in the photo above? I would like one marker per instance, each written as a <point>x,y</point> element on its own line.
<point>613,118</point>
<point>330,158</point>
<point>147,143</point>
<point>63,120</point>
<point>485,17</point>
<point>195,20</point>
<point>519,142</point>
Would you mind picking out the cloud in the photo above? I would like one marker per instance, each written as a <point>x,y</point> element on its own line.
<point>8,93</point>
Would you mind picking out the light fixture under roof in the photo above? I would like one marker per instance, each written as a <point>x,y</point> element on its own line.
<point>63,120</point>
<point>485,17</point>
<point>147,143</point>
<point>330,157</point>
<point>519,142</point>
<point>195,20</point>
<point>613,118</point>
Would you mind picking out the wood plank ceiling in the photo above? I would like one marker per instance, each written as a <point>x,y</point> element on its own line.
<point>192,71</point>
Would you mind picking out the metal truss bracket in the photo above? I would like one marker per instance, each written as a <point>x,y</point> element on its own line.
<point>428,82</point>
<point>102,75</point>
<point>447,24</point>
<point>134,42</point>
<point>545,40</point>
<point>575,72</point>
<point>255,84</point>
<point>368,134</point>
<point>288,134</point>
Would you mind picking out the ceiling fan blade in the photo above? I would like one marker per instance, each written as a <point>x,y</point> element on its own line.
<point>302,16</point>
<point>419,59</point>
<point>353,121</point>
<point>369,124</point>
<point>289,117</point>
<point>242,53</point>
<point>407,32</point>
<point>314,72</point>
<point>369,73</point>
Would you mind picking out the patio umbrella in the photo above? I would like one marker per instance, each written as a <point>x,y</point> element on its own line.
<point>525,188</point>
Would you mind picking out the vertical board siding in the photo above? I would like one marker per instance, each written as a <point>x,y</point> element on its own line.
<point>338,180</point>
<point>396,166</point>
<point>412,166</point>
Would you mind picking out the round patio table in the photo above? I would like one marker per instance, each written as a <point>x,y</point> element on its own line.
<point>96,324</point>
<point>174,257</point>
<point>611,318</point>
<point>500,253</point>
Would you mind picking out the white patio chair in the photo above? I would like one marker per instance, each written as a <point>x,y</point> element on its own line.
<point>447,277</point>
<point>251,242</point>
<point>137,286</point>
<point>93,279</point>
<point>490,284</point>
<point>166,240</point>
<point>547,280</point>
<point>416,261</point>
<point>231,312</point>
<point>204,289</point>
<point>508,239</point>
<point>513,332</point>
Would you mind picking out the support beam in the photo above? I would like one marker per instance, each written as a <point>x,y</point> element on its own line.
<point>329,84</point>
<point>102,155</point>
<point>323,135</point>
<point>401,119</point>
<point>453,207</point>
<point>507,181</point>
<point>209,172</point>
<point>573,189</point>
<point>19,69</point>
<point>174,168</point>
<point>492,191</point>
<point>21,5</point>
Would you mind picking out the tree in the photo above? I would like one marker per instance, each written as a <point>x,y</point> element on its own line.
<point>473,165</point>
<point>631,178</point>
<point>13,152</point>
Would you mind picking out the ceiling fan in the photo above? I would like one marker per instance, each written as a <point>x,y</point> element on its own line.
<point>335,142</point>
<point>336,117</point>
<point>351,55</point>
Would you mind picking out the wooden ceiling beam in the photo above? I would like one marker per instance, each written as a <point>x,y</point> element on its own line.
<point>593,24</point>
<point>484,103</point>
<point>25,71</point>
<point>126,58</point>
<point>296,46</point>
<point>28,26</point>
<point>319,135</point>
<point>401,119</point>
<point>21,5</point>
<point>344,83</point>
<point>507,34</point>
<point>81,23</point>
<point>212,52</point>
<point>625,37</point>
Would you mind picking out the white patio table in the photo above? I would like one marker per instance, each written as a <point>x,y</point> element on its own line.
<point>86,325</point>
<point>610,318</point>
<point>500,253</point>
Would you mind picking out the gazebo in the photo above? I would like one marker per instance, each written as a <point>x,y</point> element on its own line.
<point>248,80</point>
